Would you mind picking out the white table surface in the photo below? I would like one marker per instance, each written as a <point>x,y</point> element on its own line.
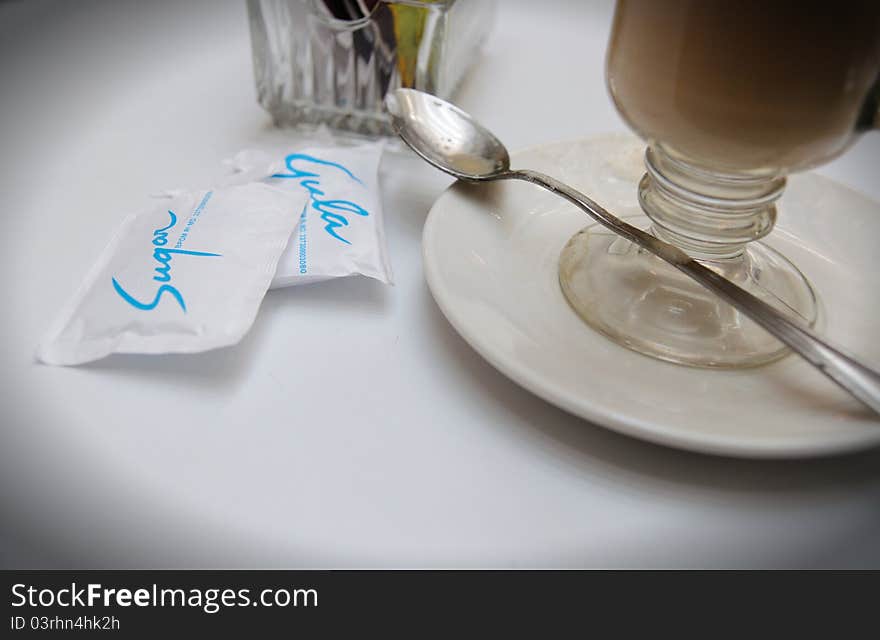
<point>352,427</point>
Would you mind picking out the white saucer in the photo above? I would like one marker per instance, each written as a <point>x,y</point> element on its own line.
<point>490,254</point>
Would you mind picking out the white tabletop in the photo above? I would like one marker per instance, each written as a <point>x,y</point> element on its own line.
<point>352,427</point>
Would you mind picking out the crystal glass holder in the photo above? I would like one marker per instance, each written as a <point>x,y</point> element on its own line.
<point>333,61</point>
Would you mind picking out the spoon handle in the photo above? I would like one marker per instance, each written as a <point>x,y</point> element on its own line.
<point>858,379</point>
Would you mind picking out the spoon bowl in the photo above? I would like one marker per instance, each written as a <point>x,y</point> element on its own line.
<point>447,137</point>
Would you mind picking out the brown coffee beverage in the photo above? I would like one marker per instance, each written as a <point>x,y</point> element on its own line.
<point>745,85</point>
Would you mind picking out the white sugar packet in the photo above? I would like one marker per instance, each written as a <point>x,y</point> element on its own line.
<point>188,274</point>
<point>340,230</point>
<point>184,276</point>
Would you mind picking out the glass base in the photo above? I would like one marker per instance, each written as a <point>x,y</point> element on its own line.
<point>644,304</point>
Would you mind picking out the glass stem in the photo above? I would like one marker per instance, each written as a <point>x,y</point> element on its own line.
<point>709,215</point>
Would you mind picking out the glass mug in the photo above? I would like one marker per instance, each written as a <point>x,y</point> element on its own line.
<point>730,97</point>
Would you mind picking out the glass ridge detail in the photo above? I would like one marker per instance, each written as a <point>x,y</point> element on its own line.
<point>333,61</point>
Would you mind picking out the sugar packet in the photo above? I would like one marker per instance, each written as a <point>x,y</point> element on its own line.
<point>186,275</point>
<point>189,273</point>
<point>340,230</point>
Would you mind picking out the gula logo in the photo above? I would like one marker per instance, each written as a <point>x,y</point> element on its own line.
<point>163,258</point>
<point>333,212</point>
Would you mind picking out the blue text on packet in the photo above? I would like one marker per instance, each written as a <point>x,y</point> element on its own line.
<point>333,212</point>
<point>163,257</point>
